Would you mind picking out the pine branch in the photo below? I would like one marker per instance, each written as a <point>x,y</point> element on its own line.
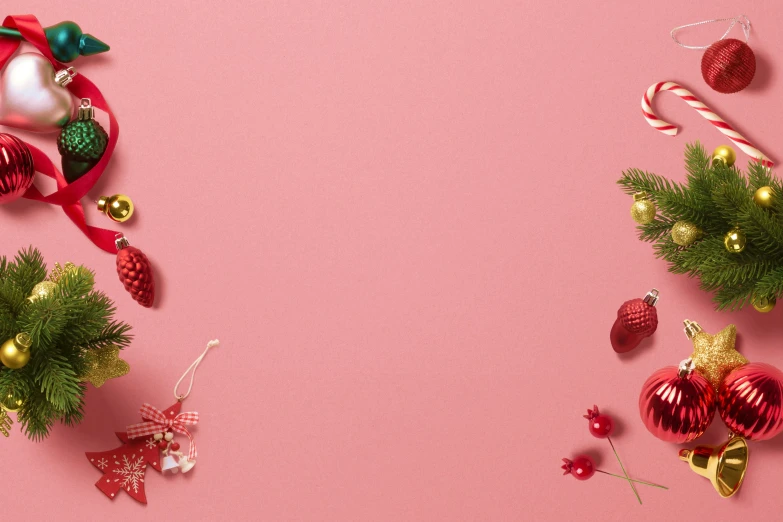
<point>717,198</point>
<point>62,325</point>
<point>58,382</point>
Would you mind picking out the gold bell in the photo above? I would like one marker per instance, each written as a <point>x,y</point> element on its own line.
<point>724,465</point>
<point>118,207</point>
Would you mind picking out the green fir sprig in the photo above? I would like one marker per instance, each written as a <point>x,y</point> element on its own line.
<point>717,198</point>
<point>63,326</point>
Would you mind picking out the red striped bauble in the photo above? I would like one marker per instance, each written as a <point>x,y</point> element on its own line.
<point>16,168</point>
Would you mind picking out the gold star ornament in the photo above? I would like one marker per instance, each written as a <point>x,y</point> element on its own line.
<point>103,364</point>
<point>714,355</point>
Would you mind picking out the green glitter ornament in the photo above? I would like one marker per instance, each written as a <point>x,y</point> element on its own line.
<point>82,143</point>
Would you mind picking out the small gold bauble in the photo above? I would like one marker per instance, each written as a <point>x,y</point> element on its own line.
<point>643,209</point>
<point>11,403</point>
<point>735,240</point>
<point>42,289</point>
<point>725,154</point>
<point>763,304</point>
<point>118,207</point>
<point>15,352</point>
<point>684,233</point>
<point>764,197</point>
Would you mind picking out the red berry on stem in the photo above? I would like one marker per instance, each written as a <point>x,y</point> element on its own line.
<point>175,446</point>
<point>581,468</point>
<point>600,425</point>
<point>163,444</point>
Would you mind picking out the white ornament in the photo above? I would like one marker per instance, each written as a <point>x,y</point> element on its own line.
<point>186,465</point>
<point>33,97</point>
<point>169,464</point>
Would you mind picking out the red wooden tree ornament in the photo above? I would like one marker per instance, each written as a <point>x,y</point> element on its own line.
<point>124,466</point>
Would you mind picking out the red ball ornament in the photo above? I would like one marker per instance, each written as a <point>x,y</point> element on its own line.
<point>163,444</point>
<point>581,468</point>
<point>750,401</point>
<point>636,319</point>
<point>677,404</point>
<point>175,446</point>
<point>16,168</point>
<point>600,425</point>
<point>135,273</point>
<point>728,65</point>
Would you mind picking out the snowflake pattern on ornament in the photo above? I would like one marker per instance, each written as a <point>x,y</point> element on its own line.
<point>151,443</point>
<point>123,468</point>
<point>131,472</point>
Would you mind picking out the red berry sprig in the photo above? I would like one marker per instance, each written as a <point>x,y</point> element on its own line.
<point>583,468</point>
<point>601,426</point>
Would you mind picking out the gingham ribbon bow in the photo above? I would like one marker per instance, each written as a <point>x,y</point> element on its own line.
<point>158,422</point>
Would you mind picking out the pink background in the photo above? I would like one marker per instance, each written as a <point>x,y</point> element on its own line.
<point>400,219</point>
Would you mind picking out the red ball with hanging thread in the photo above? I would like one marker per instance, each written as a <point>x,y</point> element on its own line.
<point>727,65</point>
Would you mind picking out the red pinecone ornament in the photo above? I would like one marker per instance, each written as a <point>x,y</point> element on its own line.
<point>728,65</point>
<point>638,317</point>
<point>135,273</point>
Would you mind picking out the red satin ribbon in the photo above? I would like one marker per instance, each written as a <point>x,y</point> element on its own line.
<point>67,196</point>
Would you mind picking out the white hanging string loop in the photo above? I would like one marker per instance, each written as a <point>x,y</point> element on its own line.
<point>193,367</point>
<point>742,20</point>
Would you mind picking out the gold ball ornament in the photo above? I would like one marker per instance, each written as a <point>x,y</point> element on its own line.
<point>15,352</point>
<point>42,289</point>
<point>725,154</point>
<point>764,197</point>
<point>763,304</point>
<point>11,402</point>
<point>714,355</point>
<point>685,233</point>
<point>103,364</point>
<point>118,207</point>
<point>643,209</point>
<point>735,240</point>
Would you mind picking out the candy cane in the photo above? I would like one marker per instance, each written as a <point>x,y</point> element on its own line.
<point>693,101</point>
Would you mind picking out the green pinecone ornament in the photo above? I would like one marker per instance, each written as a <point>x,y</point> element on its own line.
<point>82,143</point>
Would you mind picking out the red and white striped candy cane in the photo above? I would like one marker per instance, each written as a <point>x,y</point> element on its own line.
<point>693,101</point>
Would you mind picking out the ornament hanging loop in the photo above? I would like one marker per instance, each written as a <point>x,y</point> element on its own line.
<point>192,370</point>
<point>742,20</point>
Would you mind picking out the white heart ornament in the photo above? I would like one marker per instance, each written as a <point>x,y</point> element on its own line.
<point>33,97</point>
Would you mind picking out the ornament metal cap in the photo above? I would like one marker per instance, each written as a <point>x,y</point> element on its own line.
<point>86,110</point>
<point>723,465</point>
<point>652,297</point>
<point>120,242</point>
<point>641,196</point>
<point>685,368</point>
<point>65,76</point>
<point>691,328</point>
<point>23,342</point>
